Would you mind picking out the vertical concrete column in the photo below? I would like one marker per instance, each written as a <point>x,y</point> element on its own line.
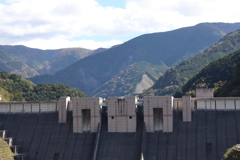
<point>95,102</point>
<point>186,109</point>
<point>82,106</point>
<point>148,112</point>
<point>167,103</point>
<point>77,117</point>
<point>112,103</point>
<point>130,103</point>
<point>62,109</point>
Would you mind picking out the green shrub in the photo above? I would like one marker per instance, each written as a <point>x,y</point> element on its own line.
<point>5,151</point>
<point>232,153</point>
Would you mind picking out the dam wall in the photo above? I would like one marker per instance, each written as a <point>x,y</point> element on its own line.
<point>155,127</point>
<point>121,111</point>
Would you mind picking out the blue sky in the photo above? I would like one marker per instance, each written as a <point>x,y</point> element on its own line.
<point>92,24</point>
<point>112,3</point>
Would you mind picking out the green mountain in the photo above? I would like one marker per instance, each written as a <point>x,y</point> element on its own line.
<point>177,76</point>
<point>122,68</point>
<point>12,63</point>
<point>222,74</point>
<point>16,88</point>
<point>232,87</point>
<point>31,62</point>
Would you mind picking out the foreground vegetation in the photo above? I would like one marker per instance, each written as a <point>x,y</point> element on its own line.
<point>232,153</point>
<point>5,151</point>
<point>15,88</point>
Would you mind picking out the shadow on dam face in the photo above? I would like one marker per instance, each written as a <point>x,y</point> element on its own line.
<point>104,112</point>
<point>158,119</point>
<point>86,120</point>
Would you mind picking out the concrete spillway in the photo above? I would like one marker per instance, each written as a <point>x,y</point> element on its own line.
<point>120,146</point>
<point>207,137</point>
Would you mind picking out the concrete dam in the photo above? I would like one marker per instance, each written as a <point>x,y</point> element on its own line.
<point>122,128</point>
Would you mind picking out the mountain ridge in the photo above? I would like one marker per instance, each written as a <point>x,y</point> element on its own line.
<point>158,49</point>
<point>44,61</point>
<point>177,76</point>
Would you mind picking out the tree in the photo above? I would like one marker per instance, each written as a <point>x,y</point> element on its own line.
<point>232,153</point>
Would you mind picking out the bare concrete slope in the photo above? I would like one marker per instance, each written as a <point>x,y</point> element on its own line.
<point>120,146</point>
<point>207,137</point>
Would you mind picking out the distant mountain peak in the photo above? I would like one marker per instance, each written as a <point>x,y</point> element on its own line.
<point>118,70</point>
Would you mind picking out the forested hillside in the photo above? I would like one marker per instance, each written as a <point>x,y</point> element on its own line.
<point>177,76</point>
<point>11,63</point>
<point>126,81</point>
<point>118,70</point>
<point>222,74</point>
<point>15,88</point>
<point>232,87</point>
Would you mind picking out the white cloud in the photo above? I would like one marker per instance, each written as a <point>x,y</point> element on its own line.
<point>62,42</point>
<point>50,24</point>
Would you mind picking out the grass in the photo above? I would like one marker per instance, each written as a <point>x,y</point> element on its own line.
<point>5,151</point>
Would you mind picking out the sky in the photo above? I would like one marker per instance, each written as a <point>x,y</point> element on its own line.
<point>91,24</point>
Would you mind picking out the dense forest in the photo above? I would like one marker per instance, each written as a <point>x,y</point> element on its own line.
<point>223,75</point>
<point>232,87</point>
<point>177,76</point>
<point>16,88</point>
